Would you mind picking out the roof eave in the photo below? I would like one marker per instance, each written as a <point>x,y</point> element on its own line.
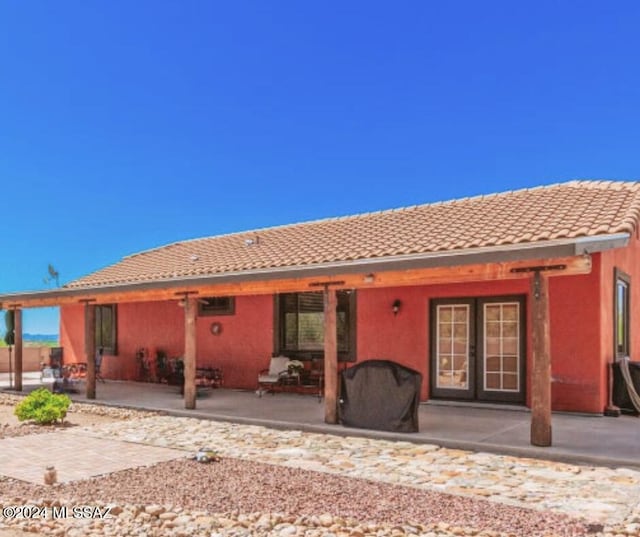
<point>449,258</point>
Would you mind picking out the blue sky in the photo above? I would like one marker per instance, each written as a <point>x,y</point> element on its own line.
<point>128,125</point>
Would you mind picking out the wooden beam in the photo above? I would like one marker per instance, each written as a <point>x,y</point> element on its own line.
<point>397,278</point>
<point>190,316</point>
<point>330,356</point>
<point>90,348</point>
<point>17,320</point>
<point>541,356</point>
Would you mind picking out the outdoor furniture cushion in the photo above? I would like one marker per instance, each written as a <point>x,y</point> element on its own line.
<point>277,367</point>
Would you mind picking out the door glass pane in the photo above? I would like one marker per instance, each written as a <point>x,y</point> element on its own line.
<point>510,312</point>
<point>460,346</point>
<point>510,345</point>
<point>510,382</point>
<point>492,364</point>
<point>510,364</point>
<point>493,345</point>
<point>622,318</point>
<point>460,314</point>
<point>460,330</point>
<point>444,362</point>
<point>492,329</point>
<point>502,347</point>
<point>445,330</point>
<point>492,381</point>
<point>453,347</point>
<point>509,329</point>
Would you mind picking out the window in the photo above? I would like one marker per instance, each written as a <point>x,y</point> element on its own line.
<point>300,318</point>
<point>106,322</point>
<point>217,305</point>
<point>621,313</point>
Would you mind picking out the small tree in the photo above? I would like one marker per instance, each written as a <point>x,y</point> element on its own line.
<point>43,407</point>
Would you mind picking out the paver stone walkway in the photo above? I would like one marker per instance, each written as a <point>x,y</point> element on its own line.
<point>74,457</point>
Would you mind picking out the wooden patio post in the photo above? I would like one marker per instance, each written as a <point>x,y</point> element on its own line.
<point>541,382</point>
<point>330,357</point>
<point>17,327</point>
<point>190,315</point>
<point>90,347</point>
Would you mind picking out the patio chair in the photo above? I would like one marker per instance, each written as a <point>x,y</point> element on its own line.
<point>50,378</point>
<point>268,378</point>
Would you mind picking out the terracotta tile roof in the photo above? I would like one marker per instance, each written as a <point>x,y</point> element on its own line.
<point>566,210</point>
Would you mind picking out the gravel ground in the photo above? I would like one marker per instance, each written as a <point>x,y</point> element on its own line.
<point>9,400</point>
<point>10,426</point>
<point>232,486</point>
<point>8,431</point>
<point>234,498</point>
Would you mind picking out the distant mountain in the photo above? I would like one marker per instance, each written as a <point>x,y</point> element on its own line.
<point>28,338</point>
<point>40,337</point>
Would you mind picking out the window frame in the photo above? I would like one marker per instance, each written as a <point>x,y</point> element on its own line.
<point>212,311</point>
<point>621,277</point>
<point>111,347</point>
<point>279,336</point>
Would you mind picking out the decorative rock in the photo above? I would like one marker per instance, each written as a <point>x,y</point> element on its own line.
<point>154,510</point>
<point>285,530</point>
<point>607,497</point>
<point>325,520</point>
<point>167,516</point>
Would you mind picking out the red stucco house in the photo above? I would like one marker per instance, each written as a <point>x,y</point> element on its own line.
<point>467,292</point>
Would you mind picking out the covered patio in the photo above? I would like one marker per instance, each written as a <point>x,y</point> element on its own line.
<point>475,295</point>
<point>185,293</point>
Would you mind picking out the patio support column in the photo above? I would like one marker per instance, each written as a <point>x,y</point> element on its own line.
<point>541,382</point>
<point>190,315</point>
<point>17,327</point>
<point>90,347</point>
<point>330,357</point>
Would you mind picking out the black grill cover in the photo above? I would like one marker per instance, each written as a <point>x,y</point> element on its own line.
<point>620,395</point>
<point>381,395</point>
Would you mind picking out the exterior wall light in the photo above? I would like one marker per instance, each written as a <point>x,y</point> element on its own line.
<point>396,306</point>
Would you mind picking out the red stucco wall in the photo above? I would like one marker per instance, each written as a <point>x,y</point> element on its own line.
<point>574,334</point>
<point>245,345</point>
<point>241,350</point>
<point>627,260</point>
<point>575,341</point>
<point>405,338</point>
<point>72,333</point>
<point>581,331</point>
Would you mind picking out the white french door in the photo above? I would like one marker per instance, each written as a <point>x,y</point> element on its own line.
<point>477,349</point>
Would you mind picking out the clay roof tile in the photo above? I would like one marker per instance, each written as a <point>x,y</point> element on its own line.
<point>566,210</point>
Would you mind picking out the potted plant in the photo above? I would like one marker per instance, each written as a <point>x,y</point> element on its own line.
<point>295,367</point>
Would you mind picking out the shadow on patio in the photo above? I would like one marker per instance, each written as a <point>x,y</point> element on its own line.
<point>576,438</point>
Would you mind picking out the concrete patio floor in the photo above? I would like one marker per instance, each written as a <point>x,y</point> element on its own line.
<point>576,438</point>
<point>594,440</point>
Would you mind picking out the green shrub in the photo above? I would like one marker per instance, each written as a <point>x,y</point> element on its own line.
<point>43,407</point>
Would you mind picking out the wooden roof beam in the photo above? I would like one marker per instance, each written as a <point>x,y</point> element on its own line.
<point>426,276</point>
